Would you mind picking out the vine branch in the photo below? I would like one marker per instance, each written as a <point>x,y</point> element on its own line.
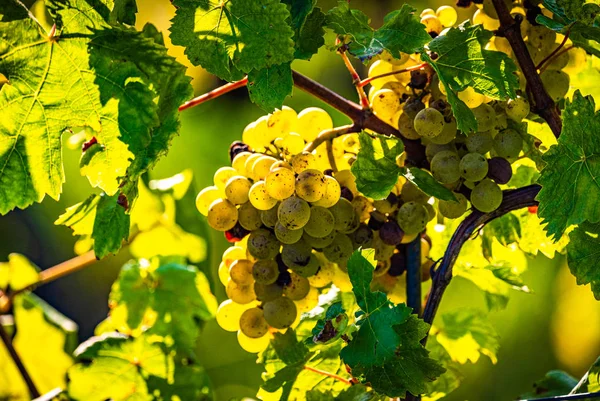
<point>213,94</point>
<point>33,391</point>
<point>568,397</point>
<point>328,374</point>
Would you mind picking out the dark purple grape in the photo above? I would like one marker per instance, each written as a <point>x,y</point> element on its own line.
<point>347,193</point>
<point>237,233</point>
<point>398,265</point>
<point>362,236</point>
<point>376,221</point>
<point>236,148</point>
<point>391,233</point>
<point>499,170</point>
<point>393,198</point>
<point>418,79</point>
<point>413,107</point>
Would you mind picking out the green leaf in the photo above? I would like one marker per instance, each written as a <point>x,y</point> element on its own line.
<point>114,366</point>
<point>233,37</point>
<point>269,86</point>
<point>189,382</point>
<point>426,183</point>
<point>525,175</point>
<point>570,188</point>
<point>466,334</point>
<point>164,298</point>
<point>307,23</point>
<point>111,226</point>
<point>386,350</point>
<point>331,326</point>
<point>17,273</point>
<point>401,31</point>
<point>582,255</point>
<point>554,383</point>
<point>124,11</point>
<point>506,229</point>
<point>375,167</point>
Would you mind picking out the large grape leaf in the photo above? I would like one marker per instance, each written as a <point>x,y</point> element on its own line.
<point>570,182</point>
<point>307,23</point>
<point>269,86</point>
<point>230,38</point>
<point>162,297</point>
<point>386,350</point>
<point>401,31</point>
<point>118,83</point>
<point>123,11</point>
<point>582,255</point>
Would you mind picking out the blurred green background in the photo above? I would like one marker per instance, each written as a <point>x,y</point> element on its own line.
<point>556,327</point>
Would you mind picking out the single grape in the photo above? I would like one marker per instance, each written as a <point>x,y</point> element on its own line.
<point>433,149</point>
<point>259,197</point>
<point>283,121</point>
<point>293,213</point>
<point>223,272</point>
<point>297,254</point>
<point>310,185</point>
<point>240,294</point>
<point>262,167</point>
<point>343,214</point>
<point>406,126</point>
<point>206,197</point>
<point>280,313</point>
<point>473,167</point>
<point>293,143</point>
<point>269,217</point>
<point>445,167</point>
<point>304,161</point>
<point>309,302</point>
<point>489,23</point>
<point>429,123</point>
<point>486,196</point>
<point>448,133</point>
<point>426,12</point>
<point>447,15</point>
<point>253,345</point>
<point>380,67</point>
<point>340,250</point>
<point>557,83</point>
<point>331,195</point>
<point>412,217</point>
<point>390,233</point>
<point>239,162</point>
<point>222,215</point>
<point>386,206</point>
<point>228,315</point>
<point>432,24</point>
<point>385,104</point>
<point>346,179</point>
<point>249,163</point>
<point>508,144</point>
<point>268,292</point>
<point>411,193</point>
<point>325,274</point>
<point>223,175</point>
<point>237,188</point>
<point>480,142</point>
<point>253,323</point>
<point>249,217</point>
<point>319,243</point>
<point>287,236</point>
<point>397,265</point>
<point>262,244</point>
<point>241,272</point>
<point>485,116</point>
<point>362,237</point>
<point>541,37</point>
<point>499,170</point>
<point>312,121</point>
<point>265,271</point>
<point>321,222</point>
<point>452,209</point>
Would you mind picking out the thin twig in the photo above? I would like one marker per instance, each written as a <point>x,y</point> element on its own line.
<point>551,55</point>
<point>33,391</point>
<point>331,156</point>
<point>330,135</point>
<point>557,55</point>
<point>364,99</point>
<point>368,80</point>
<point>328,374</point>
<point>214,93</point>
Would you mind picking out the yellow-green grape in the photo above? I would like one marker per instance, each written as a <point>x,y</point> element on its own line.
<point>320,224</point>
<point>241,272</point>
<point>542,37</point>
<point>293,143</point>
<point>385,104</point>
<point>433,149</point>
<point>353,225</point>
<point>287,236</point>
<point>383,251</point>
<point>240,294</point>
<point>309,302</point>
<point>432,24</point>
<point>249,163</point>
<point>283,121</point>
<point>262,244</point>
<point>303,161</point>
<point>232,254</point>
<point>237,189</point>
<point>412,217</point>
<point>281,164</point>
<point>259,197</point>
<point>222,215</point>
<point>340,250</point>
<point>447,15</point>
<point>319,243</point>
<point>260,136</point>
<point>488,8</point>
<point>223,175</point>
<point>469,184</point>
<point>293,213</point>
<point>508,144</point>
<point>448,133</point>
<point>312,121</point>
<point>269,217</point>
<point>445,167</point>
<point>399,89</point>
<point>325,274</point>
<point>206,197</point>
<point>486,196</point>
<point>267,292</point>
<point>280,313</point>
<point>363,207</point>
<point>300,259</point>
<point>406,126</point>
<point>429,123</point>
<point>480,142</point>
<point>265,271</point>
<point>384,206</point>
<point>280,183</point>
<point>471,98</point>
<point>473,167</point>
<point>332,193</point>
<point>343,214</point>
<point>249,217</point>
<point>537,57</point>
<point>253,323</point>
<point>559,62</point>
<point>311,268</point>
<point>380,67</point>
<point>310,185</point>
<point>298,287</point>
<point>557,83</point>
<point>411,193</point>
<point>485,116</point>
<point>239,162</point>
<point>262,167</point>
<point>426,12</point>
<point>397,59</point>
<point>452,209</point>
<point>228,315</point>
<point>577,60</point>
<point>252,345</point>
<point>430,211</point>
<point>480,17</point>
<point>517,109</point>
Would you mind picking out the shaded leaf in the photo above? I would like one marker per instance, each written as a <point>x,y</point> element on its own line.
<point>554,383</point>
<point>111,226</point>
<point>582,256</point>
<point>269,86</point>
<point>426,183</point>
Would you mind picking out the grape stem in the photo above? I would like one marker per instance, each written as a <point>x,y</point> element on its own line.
<point>33,391</point>
<point>364,99</point>
<point>368,80</point>
<point>331,134</point>
<point>214,93</point>
<point>541,65</point>
<point>542,102</point>
<point>328,374</point>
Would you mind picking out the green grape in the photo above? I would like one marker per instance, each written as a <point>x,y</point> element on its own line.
<point>557,83</point>
<point>293,213</point>
<point>304,161</point>
<point>432,24</point>
<point>473,167</point>
<point>240,294</point>
<point>267,292</point>
<point>385,104</point>
<point>298,287</point>
<point>280,313</point>
<point>253,345</point>
<point>223,175</point>
<point>237,189</point>
<point>486,196</point>
<point>332,193</point>
<point>269,217</point>
<point>448,133</point>
<point>430,211</point>
<point>297,254</point>
<point>310,269</point>
<point>385,206</point>
<point>249,217</point>
<point>222,215</point>
<point>445,167</point>
<point>241,272</point>
<point>508,144</point>
<point>340,250</point>
<point>320,223</point>
<point>429,123</point>
<point>228,315</point>
<point>447,15</point>
<point>471,98</point>
<point>262,167</point>
<point>312,121</point>
<point>259,197</point>
<point>480,142</point>
<point>265,271</point>
<point>362,237</point>
<point>343,214</point>
<point>412,217</point>
<point>406,126</point>
<point>310,185</point>
<point>411,193</point>
<point>239,163</point>
<point>451,209</point>
<point>287,236</point>
<point>383,251</point>
<point>485,116</point>
<point>362,207</point>
<point>319,243</point>
<point>206,197</point>
<point>517,109</point>
<point>262,244</point>
<point>354,224</point>
<point>253,323</point>
<point>542,37</point>
<point>433,149</point>
<point>293,143</point>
